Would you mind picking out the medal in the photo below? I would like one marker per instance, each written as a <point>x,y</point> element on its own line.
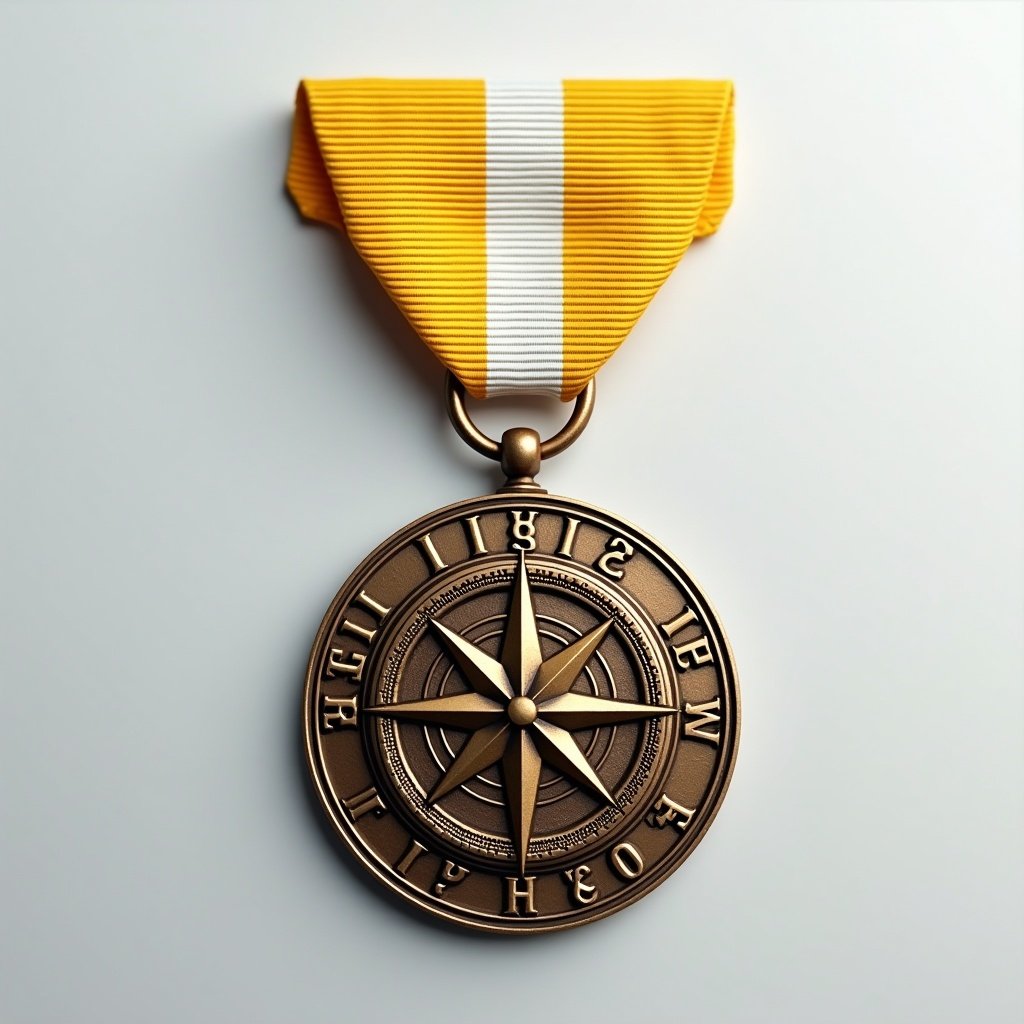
<point>521,713</point>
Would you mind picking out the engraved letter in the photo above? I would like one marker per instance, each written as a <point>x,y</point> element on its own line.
<point>618,552</point>
<point>668,812</point>
<point>522,528</point>
<point>694,654</point>
<point>336,664</point>
<point>374,606</point>
<point>581,892</point>
<point>687,616</point>
<point>476,538</point>
<point>705,716</point>
<point>515,894</point>
<point>363,803</point>
<point>451,874</point>
<point>434,561</point>
<point>356,630</point>
<point>626,860</point>
<point>415,849</point>
<point>338,712</point>
<point>568,538</point>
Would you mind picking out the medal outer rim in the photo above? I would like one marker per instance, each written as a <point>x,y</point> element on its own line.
<point>342,829</point>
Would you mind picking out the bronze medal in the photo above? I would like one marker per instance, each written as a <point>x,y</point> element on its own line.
<point>521,713</point>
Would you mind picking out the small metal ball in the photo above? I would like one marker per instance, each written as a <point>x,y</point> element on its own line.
<point>522,711</point>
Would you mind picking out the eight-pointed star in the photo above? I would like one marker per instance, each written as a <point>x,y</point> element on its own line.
<point>520,711</point>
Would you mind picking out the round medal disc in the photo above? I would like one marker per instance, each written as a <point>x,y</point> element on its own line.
<point>521,714</point>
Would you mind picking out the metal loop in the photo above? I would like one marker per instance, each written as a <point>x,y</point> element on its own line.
<point>455,397</point>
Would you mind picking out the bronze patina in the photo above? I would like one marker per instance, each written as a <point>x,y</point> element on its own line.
<point>521,713</point>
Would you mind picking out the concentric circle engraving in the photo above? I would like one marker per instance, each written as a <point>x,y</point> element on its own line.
<point>521,713</point>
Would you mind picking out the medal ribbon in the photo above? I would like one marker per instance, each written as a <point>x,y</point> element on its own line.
<point>522,228</point>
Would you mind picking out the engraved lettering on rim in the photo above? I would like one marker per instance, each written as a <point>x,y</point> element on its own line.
<point>619,552</point>
<point>582,892</point>
<point>339,712</point>
<point>434,560</point>
<point>475,536</point>
<point>504,750</point>
<point>520,895</point>
<point>410,856</point>
<point>627,860</point>
<point>707,718</point>
<point>667,812</point>
<point>522,529</point>
<point>568,537</point>
<point>365,802</point>
<point>451,874</point>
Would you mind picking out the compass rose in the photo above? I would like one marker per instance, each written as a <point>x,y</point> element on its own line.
<point>521,711</point>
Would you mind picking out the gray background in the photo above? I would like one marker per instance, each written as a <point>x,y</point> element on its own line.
<point>821,413</point>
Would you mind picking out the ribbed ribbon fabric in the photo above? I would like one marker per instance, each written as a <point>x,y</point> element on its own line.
<point>521,227</point>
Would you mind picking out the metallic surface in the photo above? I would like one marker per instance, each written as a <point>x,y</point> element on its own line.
<point>521,714</point>
<point>520,452</point>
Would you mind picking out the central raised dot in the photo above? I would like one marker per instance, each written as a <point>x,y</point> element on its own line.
<point>522,710</point>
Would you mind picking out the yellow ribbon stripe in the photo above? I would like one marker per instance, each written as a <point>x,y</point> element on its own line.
<point>522,228</point>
